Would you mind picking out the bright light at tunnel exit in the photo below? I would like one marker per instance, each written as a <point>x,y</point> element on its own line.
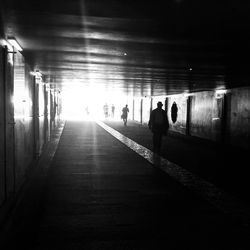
<point>87,103</point>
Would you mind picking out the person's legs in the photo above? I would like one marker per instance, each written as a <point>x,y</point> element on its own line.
<point>159,139</point>
<point>154,142</point>
<point>157,142</point>
<point>125,121</point>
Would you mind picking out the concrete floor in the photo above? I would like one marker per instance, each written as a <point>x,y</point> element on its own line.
<point>99,194</point>
<point>223,166</point>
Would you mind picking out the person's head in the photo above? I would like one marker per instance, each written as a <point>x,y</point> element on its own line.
<point>126,105</point>
<point>159,105</point>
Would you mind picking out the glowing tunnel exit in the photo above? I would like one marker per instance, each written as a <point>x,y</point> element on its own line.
<point>90,102</point>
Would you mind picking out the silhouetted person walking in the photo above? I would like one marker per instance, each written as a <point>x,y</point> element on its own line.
<point>124,116</point>
<point>106,110</point>
<point>159,125</point>
<point>113,110</point>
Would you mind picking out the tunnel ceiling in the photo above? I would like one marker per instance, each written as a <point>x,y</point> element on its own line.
<point>140,47</point>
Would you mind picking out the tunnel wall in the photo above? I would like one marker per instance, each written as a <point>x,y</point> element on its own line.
<point>222,117</point>
<point>28,114</point>
<point>7,161</point>
<point>137,109</point>
<point>2,129</point>
<point>146,109</point>
<point>9,125</point>
<point>206,111</point>
<point>213,116</point>
<point>41,118</point>
<point>177,122</point>
<point>47,117</point>
<point>239,117</point>
<point>23,112</point>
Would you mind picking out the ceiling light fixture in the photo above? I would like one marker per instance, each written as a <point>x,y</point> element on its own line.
<point>219,93</point>
<point>14,43</point>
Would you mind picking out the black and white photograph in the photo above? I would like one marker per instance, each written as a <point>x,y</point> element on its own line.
<point>124,124</point>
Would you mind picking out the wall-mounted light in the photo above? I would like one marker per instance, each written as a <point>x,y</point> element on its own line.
<point>33,73</point>
<point>219,93</point>
<point>188,94</point>
<point>14,43</point>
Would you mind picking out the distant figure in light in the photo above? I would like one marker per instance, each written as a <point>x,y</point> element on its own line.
<point>106,110</point>
<point>87,110</point>
<point>113,110</point>
<point>124,115</point>
<point>159,125</point>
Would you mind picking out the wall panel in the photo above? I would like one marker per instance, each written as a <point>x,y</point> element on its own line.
<point>239,117</point>
<point>206,115</point>
<point>2,129</point>
<point>146,110</point>
<point>137,109</point>
<point>24,139</point>
<point>10,127</point>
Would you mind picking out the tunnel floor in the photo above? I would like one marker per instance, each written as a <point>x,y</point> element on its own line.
<point>99,194</point>
<point>224,166</point>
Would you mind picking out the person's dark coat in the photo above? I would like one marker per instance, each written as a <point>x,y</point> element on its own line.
<point>158,127</point>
